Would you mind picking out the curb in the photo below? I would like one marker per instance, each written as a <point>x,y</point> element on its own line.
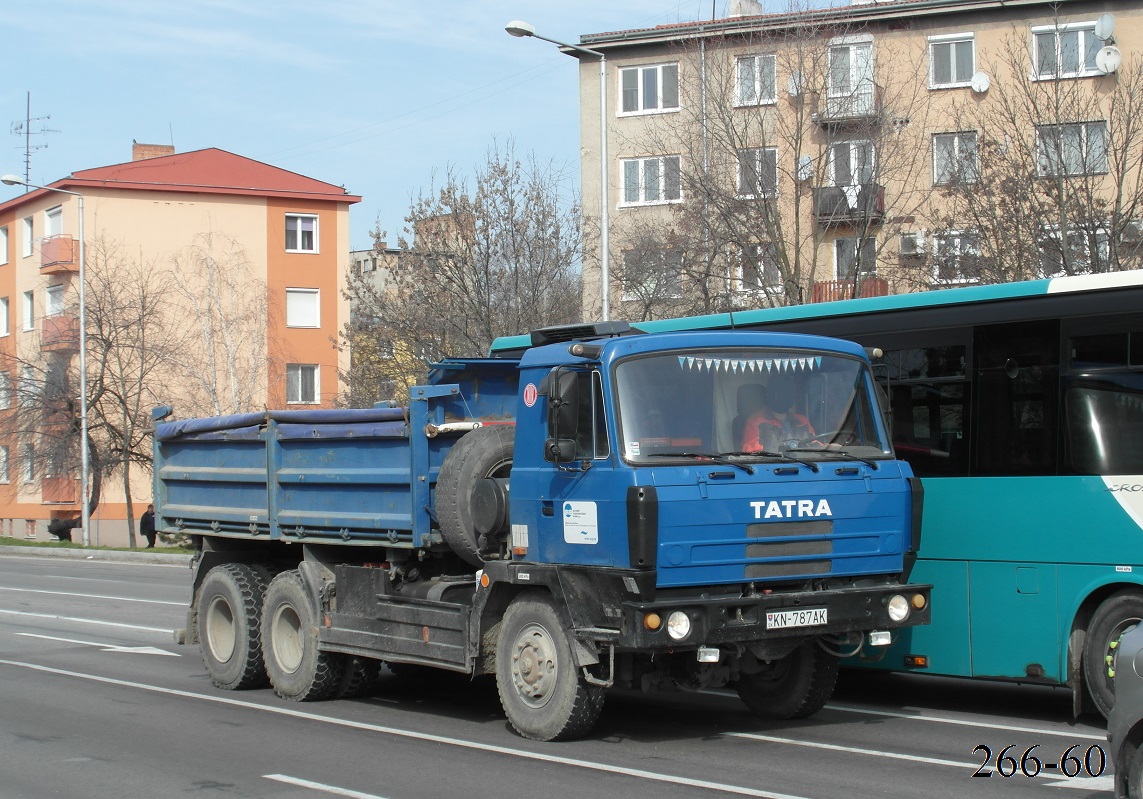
<point>111,555</point>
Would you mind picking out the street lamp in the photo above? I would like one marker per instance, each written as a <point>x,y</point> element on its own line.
<point>85,512</point>
<point>523,29</point>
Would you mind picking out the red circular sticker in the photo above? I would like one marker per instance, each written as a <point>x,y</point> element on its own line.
<point>530,394</point>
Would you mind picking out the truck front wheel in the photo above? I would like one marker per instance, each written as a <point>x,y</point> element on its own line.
<point>229,613</point>
<point>298,670</point>
<point>541,690</point>
<point>792,687</point>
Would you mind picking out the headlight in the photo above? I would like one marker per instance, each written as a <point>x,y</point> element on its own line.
<point>678,625</point>
<point>898,607</point>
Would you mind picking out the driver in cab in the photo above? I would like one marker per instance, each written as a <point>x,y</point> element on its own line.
<point>777,425</point>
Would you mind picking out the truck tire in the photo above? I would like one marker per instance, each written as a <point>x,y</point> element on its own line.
<point>485,452</point>
<point>1115,615</point>
<point>298,670</point>
<point>229,612</point>
<point>541,689</point>
<point>792,687</point>
<point>359,676</point>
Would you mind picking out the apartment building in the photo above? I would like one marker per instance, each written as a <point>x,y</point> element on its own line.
<point>816,154</point>
<point>250,262</point>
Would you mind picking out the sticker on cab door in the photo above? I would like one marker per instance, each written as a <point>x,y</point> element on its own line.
<point>580,523</point>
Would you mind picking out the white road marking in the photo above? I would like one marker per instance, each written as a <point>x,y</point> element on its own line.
<point>165,630</point>
<point>1089,732</point>
<point>932,761</point>
<point>135,650</point>
<point>319,786</point>
<point>1087,784</point>
<point>94,596</point>
<point>546,757</point>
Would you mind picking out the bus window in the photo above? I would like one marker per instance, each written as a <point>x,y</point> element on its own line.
<point>1104,423</point>
<point>1016,378</point>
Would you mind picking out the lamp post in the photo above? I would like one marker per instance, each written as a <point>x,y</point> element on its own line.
<point>523,29</point>
<point>85,512</point>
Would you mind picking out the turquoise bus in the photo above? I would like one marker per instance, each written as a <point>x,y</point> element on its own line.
<point>1021,408</point>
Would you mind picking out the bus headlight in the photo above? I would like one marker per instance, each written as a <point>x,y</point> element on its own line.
<point>898,607</point>
<point>678,625</point>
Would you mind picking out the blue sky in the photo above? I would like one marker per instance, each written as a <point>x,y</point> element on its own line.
<point>370,94</point>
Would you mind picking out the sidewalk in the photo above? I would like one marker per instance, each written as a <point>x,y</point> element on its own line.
<point>114,555</point>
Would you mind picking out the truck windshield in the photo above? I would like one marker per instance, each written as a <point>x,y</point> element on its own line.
<point>749,404</point>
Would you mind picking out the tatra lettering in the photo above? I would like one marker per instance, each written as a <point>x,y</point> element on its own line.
<point>791,509</point>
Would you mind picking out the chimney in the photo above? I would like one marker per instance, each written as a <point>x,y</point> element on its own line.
<point>141,152</point>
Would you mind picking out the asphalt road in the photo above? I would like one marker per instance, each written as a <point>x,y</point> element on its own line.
<point>97,701</point>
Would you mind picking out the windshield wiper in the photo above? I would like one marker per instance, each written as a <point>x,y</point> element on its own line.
<point>777,455</point>
<point>710,456</point>
<point>843,453</point>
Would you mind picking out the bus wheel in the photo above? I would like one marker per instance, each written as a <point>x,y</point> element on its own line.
<point>229,612</point>
<point>542,692</point>
<point>792,687</point>
<point>1115,615</point>
<point>298,670</point>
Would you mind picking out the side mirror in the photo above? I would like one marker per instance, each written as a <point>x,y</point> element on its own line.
<point>563,416</point>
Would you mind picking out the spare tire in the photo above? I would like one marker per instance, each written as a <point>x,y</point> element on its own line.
<point>485,452</point>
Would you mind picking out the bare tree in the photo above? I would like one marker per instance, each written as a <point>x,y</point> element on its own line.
<point>225,369</point>
<point>789,138</point>
<point>1055,184</point>
<point>493,256</point>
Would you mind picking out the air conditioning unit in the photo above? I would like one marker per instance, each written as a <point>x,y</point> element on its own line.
<point>913,244</point>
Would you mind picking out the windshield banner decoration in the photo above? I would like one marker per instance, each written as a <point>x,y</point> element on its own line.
<point>750,364</point>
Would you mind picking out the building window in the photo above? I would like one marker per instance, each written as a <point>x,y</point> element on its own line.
<point>854,257</point>
<point>4,474</point>
<point>301,233</point>
<point>956,256</point>
<point>28,390</point>
<point>850,80</point>
<point>756,80</point>
<point>53,221</point>
<point>54,300</point>
<point>4,244</point>
<point>1078,148</point>
<point>652,180</point>
<point>5,391</point>
<point>302,308</point>
<point>758,268</point>
<point>28,463</point>
<point>758,172</point>
<point>851,163</point>
<point>1066,51</point>
<point>26,239</point>
<point>952,60</point>
<point>649,89</point>
<point>29,310</point>
<point>301,383</point>
<point>652,274</point>
<point>1080,252</point>
<point>955,158</point>
<point>4,316</point>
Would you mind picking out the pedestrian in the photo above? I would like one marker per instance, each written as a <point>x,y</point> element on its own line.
<point>147,526</point>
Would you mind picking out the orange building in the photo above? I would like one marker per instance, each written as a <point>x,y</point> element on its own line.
<point>281,238</point>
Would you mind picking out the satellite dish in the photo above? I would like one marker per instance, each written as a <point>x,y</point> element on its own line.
<point>1108,59</point>
<point>979,83</point>
<point>1105,26</point>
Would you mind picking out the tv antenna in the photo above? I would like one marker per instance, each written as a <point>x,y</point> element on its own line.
<point>28,127</point>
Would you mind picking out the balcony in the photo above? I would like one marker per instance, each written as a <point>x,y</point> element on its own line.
<point>60,333</point>
<point>58,490</point>
<point>58,254</point>
<point>849,205</point>
<point>858,107</point>
<point>830,290</point>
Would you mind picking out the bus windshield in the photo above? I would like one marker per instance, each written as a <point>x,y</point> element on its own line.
<point>754,403</point>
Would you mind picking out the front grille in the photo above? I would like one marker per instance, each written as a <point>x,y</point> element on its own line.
<point>761,571</point>
<point>819,527</point>
<point>788,549</point>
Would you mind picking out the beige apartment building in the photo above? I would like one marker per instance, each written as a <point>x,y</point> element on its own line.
<point>817,154</point>
<point>214,284</point>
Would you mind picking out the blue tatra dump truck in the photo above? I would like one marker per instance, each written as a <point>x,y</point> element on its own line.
<point>581,516</point>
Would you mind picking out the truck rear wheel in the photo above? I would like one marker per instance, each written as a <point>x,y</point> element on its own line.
<point>229,613</point>
<point>792,687</point>
<point>541,690</point>
<point>298,670</point>
<point>359,676</point>
<point>485,452</point>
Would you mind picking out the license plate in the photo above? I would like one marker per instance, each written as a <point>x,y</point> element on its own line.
<point>809,617</point>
